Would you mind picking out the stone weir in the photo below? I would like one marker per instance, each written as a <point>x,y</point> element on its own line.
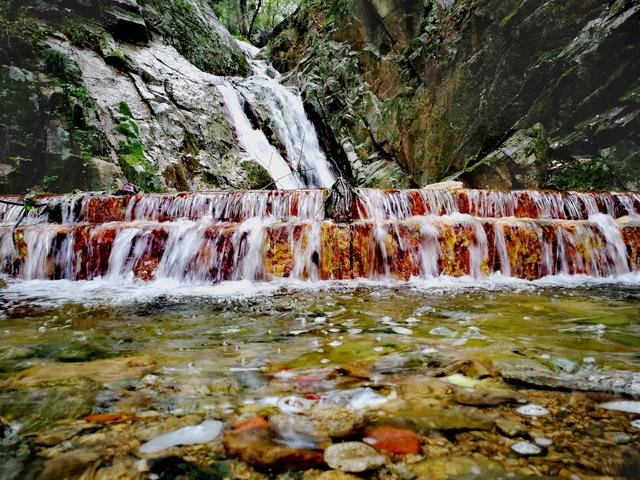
<point>265,235</point>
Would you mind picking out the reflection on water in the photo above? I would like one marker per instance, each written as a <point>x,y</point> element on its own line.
<point>90,371</point>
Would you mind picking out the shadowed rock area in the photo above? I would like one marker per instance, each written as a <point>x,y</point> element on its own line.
<point>501,94</point>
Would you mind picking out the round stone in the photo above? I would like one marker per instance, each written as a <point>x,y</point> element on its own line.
<point>526,449</point>
<point>542,441</point>
<point>636,423</point>
<point>532,410</point>
<point>353,457</point>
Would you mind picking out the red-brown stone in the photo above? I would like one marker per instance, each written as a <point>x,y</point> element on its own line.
<point>393,440</point>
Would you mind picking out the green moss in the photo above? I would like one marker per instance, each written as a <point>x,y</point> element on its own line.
<point>543,57</point>
<point>84,36</point>
<point>568,72</point>
<point>131,153</point>
<point>184,6</point>
<point>124,109</point>
<point>61,66</point>
<point>587,175</point>
<point>505,21</point>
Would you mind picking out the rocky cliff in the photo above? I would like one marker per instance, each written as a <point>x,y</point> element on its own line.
<point>96,93</point>
<point>499,93</point>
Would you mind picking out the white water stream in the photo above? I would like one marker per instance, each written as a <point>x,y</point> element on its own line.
<point>295,159</point>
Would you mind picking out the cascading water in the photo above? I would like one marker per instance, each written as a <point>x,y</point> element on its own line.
<point>294,159</point>
<point>266,235</point>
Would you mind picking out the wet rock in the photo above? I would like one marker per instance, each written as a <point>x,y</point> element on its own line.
<point>461,381</point>
<point>192,435</point>
<point>484,396</point>
<point>452,418</point>
<point>174,467</point>
<point>336,421</point>
<point>520,162</point>
<point>526,449</point>
<point>353,457</point>
<point>618,437</point>
<point>68,464</point>
<point>510,428</point>
<point>251,423</point>
<point>455,467</point>
<point>393,440</point>
<point>101,371</point>
<point>110,418</point>
<point>297,431</point>
<point>635,424</point>
<point>59,434</point>
<point>258,448</point>
<point>532,373</point>
<point>336,475</point>
<point>474,368</point>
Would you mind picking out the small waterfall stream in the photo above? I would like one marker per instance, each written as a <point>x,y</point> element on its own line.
<point>297,160</point>
<point>267,235</point>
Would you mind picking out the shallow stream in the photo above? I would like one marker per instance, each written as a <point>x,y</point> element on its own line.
<point>91,371</point>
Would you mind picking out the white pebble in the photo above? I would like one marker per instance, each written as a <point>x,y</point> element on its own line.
<point>429,351</point>
<point>402,330</point>
<point>355,331</point>
<point>542,441</point>
<point>526,448</point>
<point>325,360</point>
<point>378,349</point>
<point>335,343</point>
<point>628,406</point>
<point>532,410</point>
<point>203,433</point>
<point>636,423</point>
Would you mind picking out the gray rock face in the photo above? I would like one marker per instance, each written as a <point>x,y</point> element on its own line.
<point>440,87</point>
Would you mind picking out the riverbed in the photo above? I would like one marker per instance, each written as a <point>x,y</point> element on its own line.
<point>433,375</point>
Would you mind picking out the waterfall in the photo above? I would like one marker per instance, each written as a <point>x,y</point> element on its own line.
<point>269,235</point>
<point>293,158</point>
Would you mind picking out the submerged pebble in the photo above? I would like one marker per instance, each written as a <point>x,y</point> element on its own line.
<point>461,380</point>
<point>628,406</point>
<point>353,457</point>
<point>526,449</point>
<point>402,330</point>
<point>193,435</point>
<point>443,332</point>
<point>532,410</point>
<point>636,424</point>
<point>293,404</point>
<point>543,441</point>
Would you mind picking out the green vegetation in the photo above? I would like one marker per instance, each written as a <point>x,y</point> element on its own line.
<point>251,20</point>
<point>589,174</point>
<point>568,72</point>
<point>135,165</point>
<point>61,66</point>
<point>510,15</point>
